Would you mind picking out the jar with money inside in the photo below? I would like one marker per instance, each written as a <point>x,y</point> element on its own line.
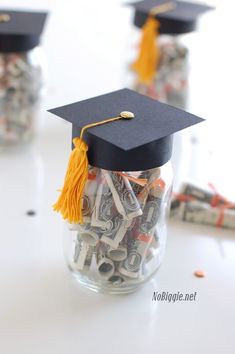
<point>21,76</point>
<point>160,68</point>
<point>117,188</point>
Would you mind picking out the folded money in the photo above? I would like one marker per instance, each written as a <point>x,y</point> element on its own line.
<point>151,214</point>
<point>171,81</point>
<point>137,248</point>
<point>209,196</point>
<point>116,279</point>
<point>117,231</point>
<point>104,207</point>
<point>118,254</point>
<point>89,234</point>
<point>82,255</point>
<point>123,195</point>
<point>201,213</point>
<point>105,266</point>
<point>154,187</point>
<point>122,246</point>
<point>89,194</point>
<point>117,239</point>
<point>138,188</point>
<point>21,84</point>
<point>172,78</point>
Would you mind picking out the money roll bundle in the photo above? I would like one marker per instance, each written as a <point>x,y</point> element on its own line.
<point>203,206</point>
<point>21,75</point>
<point>117,188</point>
<point>161,64</point>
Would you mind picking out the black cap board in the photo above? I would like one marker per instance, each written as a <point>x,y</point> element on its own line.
<point>142,143</point>
<point>19,30</point>
<point>181,18</point>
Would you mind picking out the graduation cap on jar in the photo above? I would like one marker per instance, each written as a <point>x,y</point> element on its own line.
<point>161,17</point>
<point>118,131</point>
<point>20,30</point>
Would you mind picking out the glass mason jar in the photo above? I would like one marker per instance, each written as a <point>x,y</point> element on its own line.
<point>22,65</point>
<point>121,242</point>
<point>21,88</point>
<point>170,84</point>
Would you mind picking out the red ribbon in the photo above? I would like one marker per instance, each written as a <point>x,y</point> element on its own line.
<point>141,181</point>
<point>217,201</point>
<point>91,176</point>
<point>183,197</point>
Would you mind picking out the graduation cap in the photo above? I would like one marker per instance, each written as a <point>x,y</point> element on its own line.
<point>179,16</point>
<point>118,131</point>
<point>161,17</point>
<point>20,30</point>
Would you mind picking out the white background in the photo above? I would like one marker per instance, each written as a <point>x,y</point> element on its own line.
<point>42,310</point>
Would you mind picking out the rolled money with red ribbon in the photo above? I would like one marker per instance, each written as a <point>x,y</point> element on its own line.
<point>195,198</point>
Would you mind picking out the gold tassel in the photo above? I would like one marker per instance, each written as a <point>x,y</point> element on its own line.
<point>69,203</point>
<point>149,54</point>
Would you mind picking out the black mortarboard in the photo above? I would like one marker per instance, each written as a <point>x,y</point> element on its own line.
<point>141,143</point>
<point>20,30</point>
<point>181,18</point>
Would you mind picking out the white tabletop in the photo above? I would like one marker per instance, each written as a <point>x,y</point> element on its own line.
<point>42,308</point>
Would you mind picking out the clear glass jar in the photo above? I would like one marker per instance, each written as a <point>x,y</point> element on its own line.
<point>171,81</point>
<point>21,88</point>
<point>121,242</point>
<point>172,78</point>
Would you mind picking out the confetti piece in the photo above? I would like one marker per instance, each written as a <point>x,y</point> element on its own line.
<point>199,274</point>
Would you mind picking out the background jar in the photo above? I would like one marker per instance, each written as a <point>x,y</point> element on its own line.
<point>175,30</point>
<point>121,243</point>
<point>22,76</point>
<point>171,82</point>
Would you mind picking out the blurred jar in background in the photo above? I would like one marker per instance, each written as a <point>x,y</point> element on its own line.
<point>161,65</point>
<point>22,79</point>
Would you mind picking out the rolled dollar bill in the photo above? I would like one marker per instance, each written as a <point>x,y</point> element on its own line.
<point>118,254</point>
<point>137,188</point>
<point>104,207</point>
<point>115,234</point>
<point>199,193</point>
<point>89,234</point>
<point>82,255</point>
<point>155,187</point>
<point>142,235</point>
<point>151,214</point>
<point>116,279</point>
<point>201,213</point>
<point>137,248</point>
<point>123,195</point>
<point>89,194</point>
<point>105,266</point>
